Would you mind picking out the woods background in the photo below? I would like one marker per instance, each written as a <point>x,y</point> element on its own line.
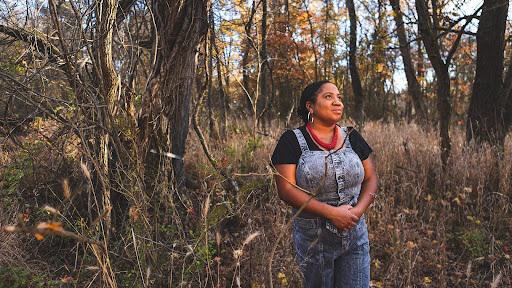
<point>136,137</point>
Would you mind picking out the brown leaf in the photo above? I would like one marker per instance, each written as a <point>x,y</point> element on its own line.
<point>66,190</point>
<point>39,236</point>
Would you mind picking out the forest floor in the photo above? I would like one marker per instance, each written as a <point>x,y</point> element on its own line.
<point>427,227</point>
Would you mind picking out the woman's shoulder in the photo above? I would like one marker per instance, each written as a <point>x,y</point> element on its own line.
<point>287,137</point>
<point>290,133</point>
<point>287,150</point>
<point>358,143</point>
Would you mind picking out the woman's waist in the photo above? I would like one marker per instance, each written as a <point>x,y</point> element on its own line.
<point>331,193</point>
<point>332,201</point>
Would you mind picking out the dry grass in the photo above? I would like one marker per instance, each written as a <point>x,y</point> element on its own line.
<point>428,227</point>
<point>11,246</point>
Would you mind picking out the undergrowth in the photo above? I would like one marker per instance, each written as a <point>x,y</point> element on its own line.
<point>428,227</point>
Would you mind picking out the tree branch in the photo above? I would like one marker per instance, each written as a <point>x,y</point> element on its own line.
<point>455,45</point>
<point>447,30</point>
<point>122,10</point>
<point>41,45</point>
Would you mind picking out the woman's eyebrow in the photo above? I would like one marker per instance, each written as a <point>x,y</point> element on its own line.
<point>331,93</point>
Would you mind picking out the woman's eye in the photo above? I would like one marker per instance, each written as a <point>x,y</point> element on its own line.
<point>328,96</point>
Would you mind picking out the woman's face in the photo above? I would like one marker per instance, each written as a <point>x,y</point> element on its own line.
<point>328,107</point>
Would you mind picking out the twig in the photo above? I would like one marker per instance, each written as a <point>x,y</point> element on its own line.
<point>137,256</point>
<point>211,159</point>
<point>44,229</point>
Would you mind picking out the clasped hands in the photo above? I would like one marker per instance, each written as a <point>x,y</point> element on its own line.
<point>345,216</point>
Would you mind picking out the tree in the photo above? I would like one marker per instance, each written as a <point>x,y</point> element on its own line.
<point>488,120</point>
<point>312,39</point>
<point>413,86</point>
<point>354,71</point>
<point>429,30</point>
<point>179,28</point>
<point>266,72</point>
<point>248,45</point>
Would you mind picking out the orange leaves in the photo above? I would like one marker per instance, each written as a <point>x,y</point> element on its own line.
<point>411,245</point>
<point>43,229</point>
<point>47,227</point>
<point>39,231</point>
<point>302,17</point>
<point>51,226</point>
<point>379,67</point>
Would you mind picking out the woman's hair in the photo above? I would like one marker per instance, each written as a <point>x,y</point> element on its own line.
<point>309,94</point>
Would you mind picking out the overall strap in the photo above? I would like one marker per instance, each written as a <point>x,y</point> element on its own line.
<point>344,131</point>
<point>340,167</point>
<point>302,141</point>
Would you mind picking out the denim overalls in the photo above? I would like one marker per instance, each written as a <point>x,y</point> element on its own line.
<point>328,257</point>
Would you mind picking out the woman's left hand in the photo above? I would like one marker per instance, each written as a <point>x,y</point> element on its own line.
<point>356,211</point>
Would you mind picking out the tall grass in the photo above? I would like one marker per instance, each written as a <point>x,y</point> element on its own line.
<point>427,227</point>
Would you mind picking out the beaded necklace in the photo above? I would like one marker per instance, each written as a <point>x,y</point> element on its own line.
<point>328,146</point>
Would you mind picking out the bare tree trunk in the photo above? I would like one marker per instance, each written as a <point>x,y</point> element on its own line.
<point>180,27</point>
<point>428,31</point>
<point>109,88</point>
<point>264,99</point>
<point>223,95</point>
<point>312,40</point>
<point>357,88</point>
<point>290,35</point>
<point>327,42</point>
<point>109,91</point>
<point>376,104</point>
<point>486,121</point>
<point>506,100</point>
<point>413,86</point>
<point>248,44</point>
<point>264,52</point>
<point>443,80</point>
<point>209,78</point>
<point>224,101</point>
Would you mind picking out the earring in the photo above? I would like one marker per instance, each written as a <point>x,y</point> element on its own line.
<point>310,116</point>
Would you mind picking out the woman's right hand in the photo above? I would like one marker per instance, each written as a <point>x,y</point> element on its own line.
<point>342,217</point>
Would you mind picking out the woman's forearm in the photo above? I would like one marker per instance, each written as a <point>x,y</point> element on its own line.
<point>368,189</point>
<point>366,197</point>
<point>298,198</point>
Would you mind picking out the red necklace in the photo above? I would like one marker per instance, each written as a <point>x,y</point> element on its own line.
<point>328,146</point>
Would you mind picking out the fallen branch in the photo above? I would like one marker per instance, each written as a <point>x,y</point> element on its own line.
<point>41,45</point>
<point>50,228</point>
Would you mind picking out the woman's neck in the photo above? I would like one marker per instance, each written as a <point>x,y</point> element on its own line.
<point>322,128</point>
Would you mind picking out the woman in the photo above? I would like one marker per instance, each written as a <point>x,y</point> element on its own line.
<point>333,164</point>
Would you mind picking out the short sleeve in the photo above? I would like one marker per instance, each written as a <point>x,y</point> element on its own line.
<point>287,150</point>
<point>359,145</point>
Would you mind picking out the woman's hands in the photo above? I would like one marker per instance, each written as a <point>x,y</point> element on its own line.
<point>343,217</point>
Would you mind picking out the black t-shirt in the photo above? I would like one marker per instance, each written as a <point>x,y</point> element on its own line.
<point>288,150</point>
